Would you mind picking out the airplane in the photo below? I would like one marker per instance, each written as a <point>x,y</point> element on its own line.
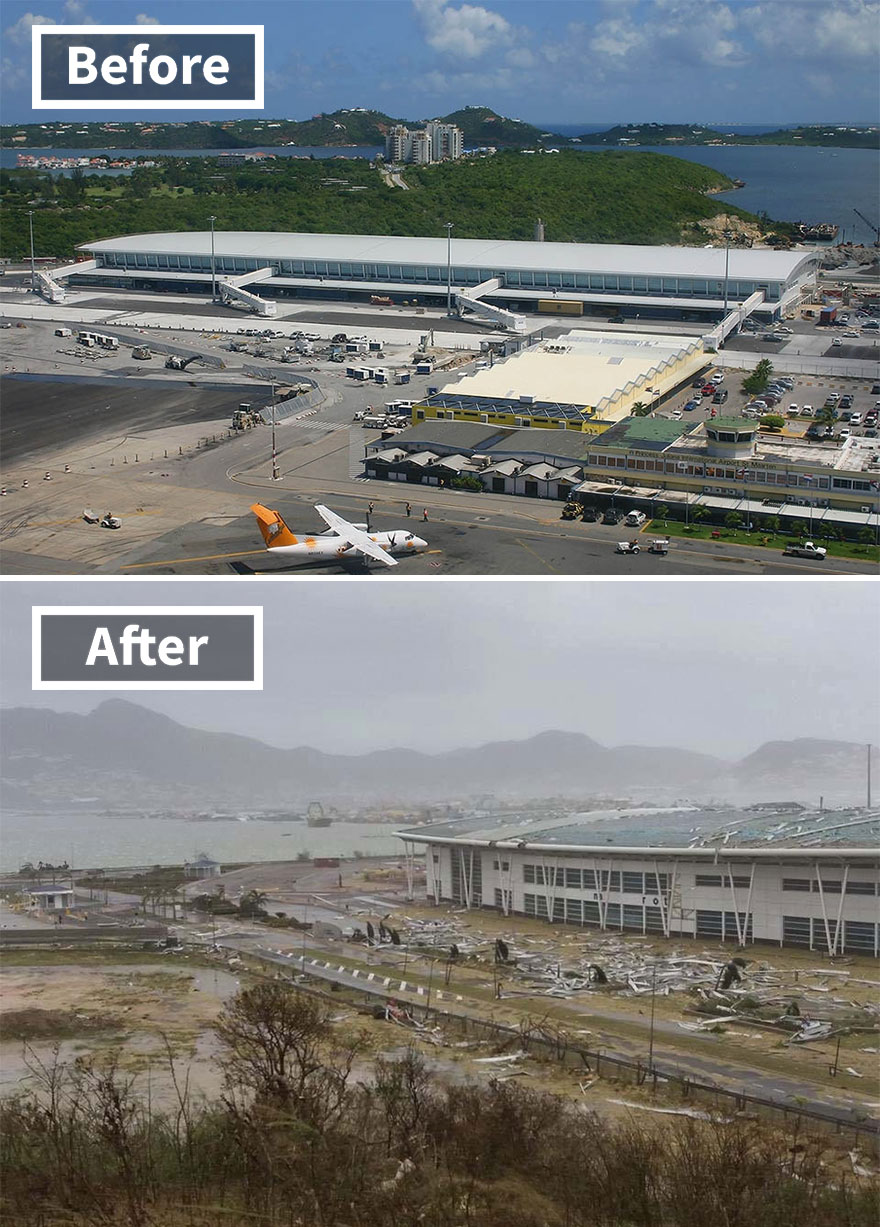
<point>340,542</point>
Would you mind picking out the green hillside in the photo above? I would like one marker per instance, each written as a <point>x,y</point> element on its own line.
<point>481,126</point>
<point>829,135</point>
<point>607,197</point>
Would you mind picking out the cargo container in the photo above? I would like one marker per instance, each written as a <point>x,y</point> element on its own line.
<point>559,306</point>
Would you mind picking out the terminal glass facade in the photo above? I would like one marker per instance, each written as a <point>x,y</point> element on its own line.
<point>436,274</point>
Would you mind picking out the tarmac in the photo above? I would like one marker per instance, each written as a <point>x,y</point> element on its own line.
<point>155,449</point>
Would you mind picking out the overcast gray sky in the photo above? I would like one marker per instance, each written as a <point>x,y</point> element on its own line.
<point>358,665</point>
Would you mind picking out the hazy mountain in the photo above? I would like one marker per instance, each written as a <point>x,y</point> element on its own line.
<point>128,756</point>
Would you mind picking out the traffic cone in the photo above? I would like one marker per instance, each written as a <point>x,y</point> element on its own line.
<point>25,484</point>
<point>67,468</point>
<point>47,477</point>
<point>2,491</point>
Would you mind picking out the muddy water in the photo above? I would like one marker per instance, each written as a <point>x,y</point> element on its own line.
<point>184,1015</point>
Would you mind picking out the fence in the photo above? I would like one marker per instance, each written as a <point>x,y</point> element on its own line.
<point>558,1047</point>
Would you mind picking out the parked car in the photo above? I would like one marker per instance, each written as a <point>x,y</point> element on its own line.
<point>845,433</point>
<point>691,406</point>
<point>591,514</point>
<point>855,419</point>
<point>846,402</point>
<point>720,396</point>
<point>837,341</point>
<point>613,515</point>
<point>708,389</point>
<point>806,411</point>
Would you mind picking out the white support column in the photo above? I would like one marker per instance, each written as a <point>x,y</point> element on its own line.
<point>664,902</point>
<point>602,891</point>
<point>408,854</point>
<point>838,939</point>
<point>673,877</point>
<point>749,901</point>
<point>467,877</point>
<point>818,874</point>
<point>430,876</point>
<point>507,891</point>
<point>739,936</point>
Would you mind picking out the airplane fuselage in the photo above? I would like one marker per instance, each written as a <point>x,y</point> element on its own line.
<point>328,547</point>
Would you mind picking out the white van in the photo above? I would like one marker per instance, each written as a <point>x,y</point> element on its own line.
<point>635,519</point>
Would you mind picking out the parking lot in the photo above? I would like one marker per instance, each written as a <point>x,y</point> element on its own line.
<point>799,404</point>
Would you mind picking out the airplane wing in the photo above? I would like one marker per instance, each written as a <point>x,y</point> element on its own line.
<point>355,537</point>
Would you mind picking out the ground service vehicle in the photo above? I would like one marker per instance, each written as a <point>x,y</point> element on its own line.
<point>627,547</point>
<point>659,546</point>
<point>805,549</point>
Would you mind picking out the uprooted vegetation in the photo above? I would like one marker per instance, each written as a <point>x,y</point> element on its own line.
<point>297,1139</point>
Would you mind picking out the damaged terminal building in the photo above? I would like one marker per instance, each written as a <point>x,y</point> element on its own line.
<point>808,880</point>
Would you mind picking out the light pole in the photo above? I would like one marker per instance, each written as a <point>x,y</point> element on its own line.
<point>728,235</point>
<point>275,474</point>
<point>449,229</point>
<point>33,269</point>
<point>212,219</point>
<point>653,1001</point>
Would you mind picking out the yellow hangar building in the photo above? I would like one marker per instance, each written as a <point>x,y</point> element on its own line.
<point>584,381</point>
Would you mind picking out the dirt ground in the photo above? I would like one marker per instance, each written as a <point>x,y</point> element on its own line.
<point>148,1009</point>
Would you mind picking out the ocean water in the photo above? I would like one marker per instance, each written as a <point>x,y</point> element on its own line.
<point>91,840</point>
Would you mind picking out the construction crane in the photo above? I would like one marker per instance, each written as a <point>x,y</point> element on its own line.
<point>870,226</point>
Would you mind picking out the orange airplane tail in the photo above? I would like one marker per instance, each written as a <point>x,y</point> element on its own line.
<point>275,531</point>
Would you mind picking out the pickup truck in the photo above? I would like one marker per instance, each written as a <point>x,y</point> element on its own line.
<point>805,549</point>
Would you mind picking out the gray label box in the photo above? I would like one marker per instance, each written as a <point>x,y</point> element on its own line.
<point>147,648</point>
<point>162,67</point>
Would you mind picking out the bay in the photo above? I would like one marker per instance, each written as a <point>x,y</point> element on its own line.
<point>93,840</point>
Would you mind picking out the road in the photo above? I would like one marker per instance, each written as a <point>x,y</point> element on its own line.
<point>707,1064</point>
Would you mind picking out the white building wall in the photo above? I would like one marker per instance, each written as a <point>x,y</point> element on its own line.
<point>741,901</point>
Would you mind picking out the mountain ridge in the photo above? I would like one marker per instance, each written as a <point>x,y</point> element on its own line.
<point>123,752</point>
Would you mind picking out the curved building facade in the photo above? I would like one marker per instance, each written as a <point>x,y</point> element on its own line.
<point>671,278</point>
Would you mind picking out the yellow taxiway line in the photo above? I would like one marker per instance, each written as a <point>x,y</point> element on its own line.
<point>170,562</point>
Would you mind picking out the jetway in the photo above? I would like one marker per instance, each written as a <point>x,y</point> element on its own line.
<point>466,300</point>
<point>232,291</point>
<point>734,320</point>
<point>49,288</point>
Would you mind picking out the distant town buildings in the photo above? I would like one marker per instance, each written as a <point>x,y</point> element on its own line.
<point>436,142</point>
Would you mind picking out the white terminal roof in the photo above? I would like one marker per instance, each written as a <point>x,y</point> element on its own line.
<point>755,264</point>
<point>582,368</point>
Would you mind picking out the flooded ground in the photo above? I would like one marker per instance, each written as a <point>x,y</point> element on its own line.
<point>135,1014</point>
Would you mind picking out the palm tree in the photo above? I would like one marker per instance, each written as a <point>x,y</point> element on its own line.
<point>253,902</point>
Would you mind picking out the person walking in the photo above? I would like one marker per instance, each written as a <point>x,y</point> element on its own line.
<point>370,517</point>
<point>424,515</point>
<point>408,510</point>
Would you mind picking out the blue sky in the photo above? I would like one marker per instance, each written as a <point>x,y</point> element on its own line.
<point>546,61</point>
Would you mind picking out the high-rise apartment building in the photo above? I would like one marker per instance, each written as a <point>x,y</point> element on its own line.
<point>436,142</point>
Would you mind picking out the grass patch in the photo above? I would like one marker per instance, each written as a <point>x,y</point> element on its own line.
<point>37,1024</point>
<point>758,539</point>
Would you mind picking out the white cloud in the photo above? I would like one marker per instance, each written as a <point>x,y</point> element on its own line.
<point>20,32</point>
<point>143,20</point>
<point>841,31</point>
<point>469,30</point>
<point>75,12</point>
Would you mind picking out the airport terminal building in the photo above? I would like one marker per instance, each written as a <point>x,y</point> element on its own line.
<point>762,889</point>
<point>555,278</point>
